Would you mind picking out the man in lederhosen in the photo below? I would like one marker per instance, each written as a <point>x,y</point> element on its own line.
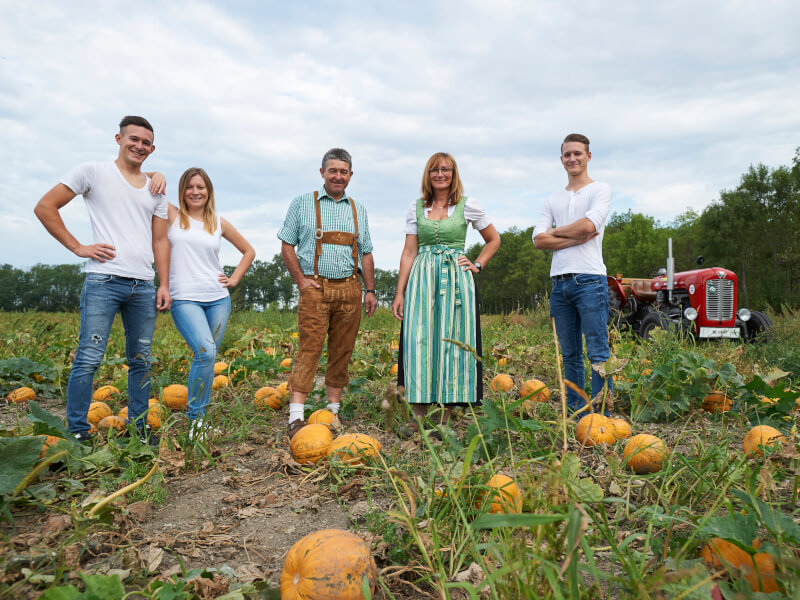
<point>325,236</point>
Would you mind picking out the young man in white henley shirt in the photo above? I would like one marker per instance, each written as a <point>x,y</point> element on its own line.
<point>129,223</point>
<point>571,225</point>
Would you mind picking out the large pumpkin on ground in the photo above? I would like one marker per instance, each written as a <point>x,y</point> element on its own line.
<point>105,392</point>
<point>220,381</point>
<point>354,448</point>
<point>717,401</point>
<point>175,396</point>
<point>761,435</point>
<point>286,363</point>
<point>22,394</point>
<point>505,496</point>
<point>123,413</point>
<point>97,412</point>
<point>311,443</point>
<point>536,389</point>
<point>622,429</point>
<point>595,429</point>
<point>220,367</point>
<point>327,565</point>
<point>112,422</point>
<point>268,397</point>
<point>323,416</point>
<point>644,453</point>
<point>502,383</point>
<point>721,555</point>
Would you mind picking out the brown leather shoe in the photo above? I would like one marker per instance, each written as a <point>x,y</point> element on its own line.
<point>294,427</point>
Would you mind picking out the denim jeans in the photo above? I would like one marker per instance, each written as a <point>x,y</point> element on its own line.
<point>202,325</point>
<point>102,297</point>
<point>579,305</point>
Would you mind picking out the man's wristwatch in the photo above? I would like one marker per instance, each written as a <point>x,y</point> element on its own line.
<point>369,292</point>
<point>478,266</point>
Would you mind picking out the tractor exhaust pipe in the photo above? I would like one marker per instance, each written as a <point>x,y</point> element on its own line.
<point>670,270</point>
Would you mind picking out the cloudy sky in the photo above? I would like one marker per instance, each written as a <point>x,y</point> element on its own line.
<point>678,98</point>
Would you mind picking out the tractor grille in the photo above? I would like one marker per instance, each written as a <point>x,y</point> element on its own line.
<point>719,299</point>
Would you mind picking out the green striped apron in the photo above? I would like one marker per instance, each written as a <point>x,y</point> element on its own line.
<point>439,306</point>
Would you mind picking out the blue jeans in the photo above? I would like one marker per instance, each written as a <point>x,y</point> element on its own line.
<point>579,306</point>
<point>202,325</point>
<point>102,297</point>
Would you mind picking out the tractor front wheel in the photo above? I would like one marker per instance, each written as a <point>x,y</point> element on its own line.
<point>758,323</point>
<point>650,322</point>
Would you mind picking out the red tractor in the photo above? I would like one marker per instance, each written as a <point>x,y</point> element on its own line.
<point>702,303</point>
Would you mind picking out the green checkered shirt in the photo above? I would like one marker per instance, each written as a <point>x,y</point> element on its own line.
<point>298,230</point>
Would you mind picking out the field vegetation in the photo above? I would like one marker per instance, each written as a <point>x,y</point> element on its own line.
<point>216,518</point>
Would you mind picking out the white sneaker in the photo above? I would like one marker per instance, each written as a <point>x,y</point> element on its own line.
<point>200,431</point>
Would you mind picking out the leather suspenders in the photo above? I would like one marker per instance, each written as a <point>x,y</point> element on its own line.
<point>340,238</point>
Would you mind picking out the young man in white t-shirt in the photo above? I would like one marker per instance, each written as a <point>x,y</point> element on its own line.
<point>571,225</point>
<point>129,225</point>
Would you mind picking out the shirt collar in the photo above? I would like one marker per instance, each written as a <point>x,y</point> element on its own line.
<point>324,194</point>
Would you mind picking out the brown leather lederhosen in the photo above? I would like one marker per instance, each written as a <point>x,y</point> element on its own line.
<point>333,310</point>
<point>340,238</point>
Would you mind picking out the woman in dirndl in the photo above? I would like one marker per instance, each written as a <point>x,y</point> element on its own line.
<point>435,297</point>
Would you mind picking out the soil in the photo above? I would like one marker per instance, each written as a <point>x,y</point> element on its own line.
<point>243,512</point>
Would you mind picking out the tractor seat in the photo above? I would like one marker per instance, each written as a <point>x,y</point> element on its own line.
<point>643,290</point>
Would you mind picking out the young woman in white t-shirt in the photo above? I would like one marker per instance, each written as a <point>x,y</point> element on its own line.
<point>201,303</point>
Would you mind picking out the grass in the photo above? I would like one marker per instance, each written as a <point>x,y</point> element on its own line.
<point>589,528</point>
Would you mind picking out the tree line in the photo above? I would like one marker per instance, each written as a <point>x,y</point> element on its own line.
<point>753,229</point>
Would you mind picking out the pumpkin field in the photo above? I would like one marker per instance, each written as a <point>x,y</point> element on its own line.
<point>690,490</point>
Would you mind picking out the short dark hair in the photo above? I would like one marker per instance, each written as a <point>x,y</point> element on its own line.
<point>337,154</point>
<point>134,120</point>
<point>576,137</point>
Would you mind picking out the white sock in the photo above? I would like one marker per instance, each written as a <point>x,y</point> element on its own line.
<point>333,407</point>
<point>296,412</point>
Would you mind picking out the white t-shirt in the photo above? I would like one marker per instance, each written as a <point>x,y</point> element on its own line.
<point>564,207</point>
<point>194,266</point>
<point>473,214</point>
<point>121,215</point>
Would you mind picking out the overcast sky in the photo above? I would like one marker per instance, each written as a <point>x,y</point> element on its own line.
<point>678,98</point>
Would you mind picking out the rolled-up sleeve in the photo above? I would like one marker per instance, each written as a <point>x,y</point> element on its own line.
<point>290,232</point>
<point>364,240</point>
<point>545,221</point>
<point>600,206</point>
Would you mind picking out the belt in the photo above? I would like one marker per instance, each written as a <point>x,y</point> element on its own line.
<point>563,276</point>
<point>349,278</point>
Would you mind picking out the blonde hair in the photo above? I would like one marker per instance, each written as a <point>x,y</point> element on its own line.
<point>209,211</point>
<point>456,187</point>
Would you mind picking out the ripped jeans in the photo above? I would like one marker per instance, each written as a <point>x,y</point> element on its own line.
<point>101,298</point>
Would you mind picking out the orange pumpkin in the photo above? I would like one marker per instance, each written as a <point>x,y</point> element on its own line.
<point>175,396</point>
<point>505,496</point>
<point>644,453</point>
<point>220,381</point>
<point>49,440</point>
<point>394,345</point>
<point>156,415</point>
<point>269,350</point>
<point>268,397</point>
<point>722,554</point>
<point>502,382</point>
<point>21,394</point>
<point>536,389</point>
<point>760,573</point>
<point>123,413</point>
<point>311,443</point>
<point>354,448</point>
<point>103,393</point>
<point>97,412</point>
<point>758,570</point>
<point>286,363</point>
<point>622,429</point>
<point>327,565</point>
<point>717,401</point>
<point>220,367</point>
<point>322,416</point>
<point>112,422</point>
<point>761,435</point>
<point>595,429</point>
<point>283,388</point>
<point>393,370</point>
<point>502,362</point>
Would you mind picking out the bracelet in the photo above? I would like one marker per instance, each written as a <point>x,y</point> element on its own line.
<point>370,292</point>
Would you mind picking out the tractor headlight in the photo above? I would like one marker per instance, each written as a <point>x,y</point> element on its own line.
<point>690,313</point>
<point>743,314</point>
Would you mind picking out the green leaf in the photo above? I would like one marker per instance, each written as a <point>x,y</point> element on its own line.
<point>103,587</point>
<point>585,490</point>
<point>735,527</point>
<point>101,459</point>
<point>523,520</point>
<point>47,423</point>
<point>64,592</point>
<point>18,456</point>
